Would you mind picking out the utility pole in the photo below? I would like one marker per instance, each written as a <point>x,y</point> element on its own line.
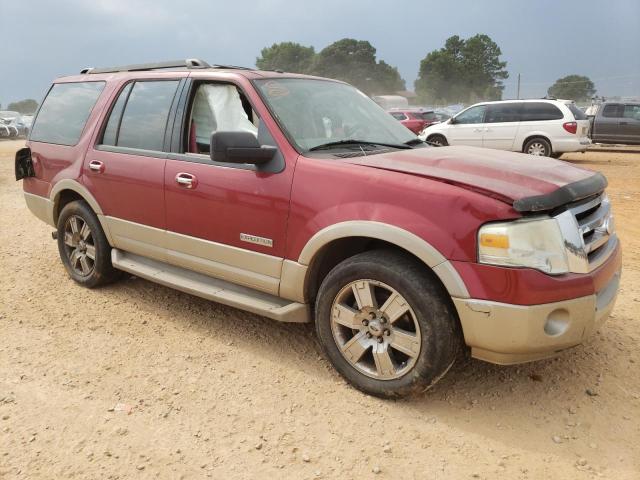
<point>518,96</point>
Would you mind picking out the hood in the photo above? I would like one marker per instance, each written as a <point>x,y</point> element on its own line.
<point>526,182</point>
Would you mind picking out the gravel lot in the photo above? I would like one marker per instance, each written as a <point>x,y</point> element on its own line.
<point>139,381</point>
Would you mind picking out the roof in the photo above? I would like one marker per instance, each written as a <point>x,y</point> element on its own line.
<point>158,69</point>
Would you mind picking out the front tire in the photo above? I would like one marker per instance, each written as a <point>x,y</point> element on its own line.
<point>83,246</point>
<point>437,141</point>
<point>385,324</point>
<point>538,146</point>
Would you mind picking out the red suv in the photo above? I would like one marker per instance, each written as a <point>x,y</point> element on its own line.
<point>298,199</point>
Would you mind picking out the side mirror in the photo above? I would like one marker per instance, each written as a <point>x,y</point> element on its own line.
<point>452,120</point>
<point>239,147</point>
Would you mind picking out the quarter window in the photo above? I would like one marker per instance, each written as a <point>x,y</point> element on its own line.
<point>540,111</point>
<point>577,113</point>
<point>139,116</point>
<point>65,111</point>
<point>473,115</point>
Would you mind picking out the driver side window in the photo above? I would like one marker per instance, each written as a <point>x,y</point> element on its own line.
<point>217,107</point>
<point>473,115</point>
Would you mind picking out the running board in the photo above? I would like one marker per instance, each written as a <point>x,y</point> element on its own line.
<point>210,288</point>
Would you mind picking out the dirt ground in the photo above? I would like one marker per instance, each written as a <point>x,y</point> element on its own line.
<point>139,381</point>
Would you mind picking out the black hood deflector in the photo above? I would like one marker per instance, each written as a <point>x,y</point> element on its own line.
<point>572,192</point>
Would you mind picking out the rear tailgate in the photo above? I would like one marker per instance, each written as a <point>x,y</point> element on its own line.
<point>583,128</point>
<point>581,119</point>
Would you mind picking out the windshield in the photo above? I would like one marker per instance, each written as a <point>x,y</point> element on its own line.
<point>318,112</point>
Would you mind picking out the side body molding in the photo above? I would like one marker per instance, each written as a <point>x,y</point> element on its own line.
<point>292,272</point>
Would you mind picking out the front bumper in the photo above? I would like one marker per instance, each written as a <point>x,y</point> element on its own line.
<point>507,334</point>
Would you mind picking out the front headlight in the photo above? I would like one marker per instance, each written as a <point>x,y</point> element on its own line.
<point>534,243</point>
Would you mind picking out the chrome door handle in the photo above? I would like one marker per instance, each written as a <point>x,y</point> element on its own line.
<point>477,129</point>
<point>96,166</point>
<point>186,180</point>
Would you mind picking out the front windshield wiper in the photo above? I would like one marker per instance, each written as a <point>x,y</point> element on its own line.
<point>349,141</point>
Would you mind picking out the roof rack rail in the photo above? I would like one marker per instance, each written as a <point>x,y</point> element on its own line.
<point>189,63</point>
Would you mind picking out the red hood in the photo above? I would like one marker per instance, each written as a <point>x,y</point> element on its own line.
<point>505,175</point>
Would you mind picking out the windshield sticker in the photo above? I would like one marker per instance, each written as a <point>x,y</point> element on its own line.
<point>275,89</point>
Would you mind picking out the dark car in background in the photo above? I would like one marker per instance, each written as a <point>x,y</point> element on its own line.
<point>617,122</point>
<point>417,119</point>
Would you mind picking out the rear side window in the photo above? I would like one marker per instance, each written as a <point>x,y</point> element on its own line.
<point>429,116</point>
<point>64,113</point>
<point>613,110</point>
<point>538,111</point>
<point>139,116</point>
<point>110,136</point>
<point>577,113</point>
<point>632,111</point>
<point>503,113</point>
<point>399,116</point>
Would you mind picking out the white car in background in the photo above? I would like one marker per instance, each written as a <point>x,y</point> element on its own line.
<point>538,127</point>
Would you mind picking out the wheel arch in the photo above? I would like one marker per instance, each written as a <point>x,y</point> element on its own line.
<point>531,136</point>
<point>437,134</point>
<point>68,190</point>
<point>335,243</point>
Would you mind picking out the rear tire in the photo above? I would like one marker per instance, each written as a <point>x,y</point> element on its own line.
<point>538,146</point>
<point>386,324</point>
<point>83,246</point>
<point>437,141</point>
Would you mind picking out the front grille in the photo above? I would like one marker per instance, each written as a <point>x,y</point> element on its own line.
<point>589,233</point>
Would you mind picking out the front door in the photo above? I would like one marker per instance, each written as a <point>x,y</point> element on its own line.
<point>125,170</point>
<point>226,220</point>
<point>467,127</point>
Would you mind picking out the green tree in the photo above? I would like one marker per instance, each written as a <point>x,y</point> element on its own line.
<point>24,106</point>
<point>573,87</point>
<point>286,56</point>
<point>462,71</point>
<point>354,61</point>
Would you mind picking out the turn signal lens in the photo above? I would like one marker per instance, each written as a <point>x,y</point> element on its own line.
<point>494,240</point>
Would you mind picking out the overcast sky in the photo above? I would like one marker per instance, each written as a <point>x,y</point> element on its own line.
<point>540,39</point>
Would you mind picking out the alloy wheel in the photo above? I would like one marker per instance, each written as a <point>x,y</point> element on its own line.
<point>79,245</point>
<point>375,329</point>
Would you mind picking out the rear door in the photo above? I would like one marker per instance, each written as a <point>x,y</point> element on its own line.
<point>501,125</point>
<point>467,128</point>
<point>124,171</point>
<point>630,124</point>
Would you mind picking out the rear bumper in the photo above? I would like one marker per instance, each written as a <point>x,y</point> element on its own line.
<point>576,144</point>
<point>41,207</point>
<point>507,334</point>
